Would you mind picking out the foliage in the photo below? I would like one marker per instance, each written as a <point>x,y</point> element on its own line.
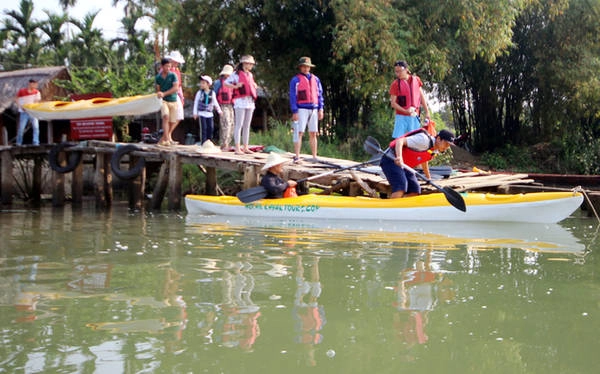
<point>488,60</point>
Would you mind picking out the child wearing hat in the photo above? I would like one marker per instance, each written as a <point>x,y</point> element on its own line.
<point>244,95</point>
<point>205,102</point>
<point>225,99</point>
<point>272,181</point>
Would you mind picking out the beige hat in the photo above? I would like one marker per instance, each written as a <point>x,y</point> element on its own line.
<point>305,61</point>
<point>274,159</point>
<point>247,58</point>
<point>175,56</point>
<point>207,79</point>
<point>227,70</point>
<point>208,147</point>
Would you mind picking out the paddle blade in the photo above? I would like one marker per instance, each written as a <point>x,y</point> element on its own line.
<point>372,147</point>
<point>455,199</point>
<point>252,194</point>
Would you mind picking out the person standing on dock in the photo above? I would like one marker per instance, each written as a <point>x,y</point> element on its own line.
<point>205,102</point>
<point>176,60</point>
<point>306,103</point>
<point>166,88</point>
<point>406,98</point>
<point>244,96</point>
<point>225,99</point>
<point>28,95</point>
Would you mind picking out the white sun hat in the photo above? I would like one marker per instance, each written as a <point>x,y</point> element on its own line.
<point>227,70</point>
<point>175,56</point>
<point>274,159</point>
<point>208,147</point>
<point>207,79</point>
<point>247,58</point>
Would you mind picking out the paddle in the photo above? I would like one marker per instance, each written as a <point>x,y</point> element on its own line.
<point>454,198</point>
<point>259,192</point>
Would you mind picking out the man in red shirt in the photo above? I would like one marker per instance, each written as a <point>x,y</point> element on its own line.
<point>28,95</point>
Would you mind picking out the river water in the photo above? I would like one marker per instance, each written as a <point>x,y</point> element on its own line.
<point>88,291</point>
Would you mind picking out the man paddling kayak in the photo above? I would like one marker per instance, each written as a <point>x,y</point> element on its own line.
<point>412,149</point>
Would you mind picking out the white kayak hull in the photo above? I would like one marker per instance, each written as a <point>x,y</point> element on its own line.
<point>543,207</point>
<point>96,107</point>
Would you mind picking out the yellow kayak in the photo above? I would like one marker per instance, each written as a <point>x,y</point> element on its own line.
<point>96,107</point>
<point>541,207</point>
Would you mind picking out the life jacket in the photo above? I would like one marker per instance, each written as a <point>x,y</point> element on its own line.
<point>307,90</point>
<point>410,156</point>
<point>205,102</point>
<point>248,88</point>
<point>409,92</point>
<point>225,94</point>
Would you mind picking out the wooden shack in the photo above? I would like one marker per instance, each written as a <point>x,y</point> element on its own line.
<point>11,82</point>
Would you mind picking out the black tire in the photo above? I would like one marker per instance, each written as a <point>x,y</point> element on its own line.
<point>115,163</point>
<point>74,158</point>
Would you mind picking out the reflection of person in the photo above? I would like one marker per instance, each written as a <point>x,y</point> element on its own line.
<point>309,315</point>
<point>28,95</point>
<point>418,292</point>
<point>205,102</point>
<point>244,96</point>
<point>239,323</point>
<point>166,88</point>
<point>306,102</point>
<point>173,299</point>
<point>272,181</point>
<point>406,97</point>
<point>412,149</point>
<point>225,99</point>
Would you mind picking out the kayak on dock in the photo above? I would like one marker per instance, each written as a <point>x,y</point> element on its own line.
<point>96,107</point>
<point>540,207</point>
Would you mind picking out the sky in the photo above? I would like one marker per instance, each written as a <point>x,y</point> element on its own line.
<point>108,19</point>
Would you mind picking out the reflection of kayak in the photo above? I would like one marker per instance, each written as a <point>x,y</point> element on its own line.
<point>96,107</point>
<point>548,238</point>
<point>541,207</point>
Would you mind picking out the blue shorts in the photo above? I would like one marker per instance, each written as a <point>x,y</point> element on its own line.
<point>398,178</point>
<point>404,124</point>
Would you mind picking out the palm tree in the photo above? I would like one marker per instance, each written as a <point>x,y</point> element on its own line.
<point>21,32</point>
<point>93,49</point>
<point>65,4</point>
<point>54,47</point>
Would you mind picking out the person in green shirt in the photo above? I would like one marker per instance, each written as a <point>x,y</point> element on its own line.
<point>166,89</point>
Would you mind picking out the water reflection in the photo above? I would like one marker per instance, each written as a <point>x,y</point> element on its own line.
<point>118,292</point>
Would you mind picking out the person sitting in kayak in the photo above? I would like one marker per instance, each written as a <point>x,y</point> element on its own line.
<point>412,149</point>
<point>275,185</point>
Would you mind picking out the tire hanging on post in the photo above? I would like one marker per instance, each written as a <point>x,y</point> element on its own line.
<point>115,163</point>
<point>73,159</point>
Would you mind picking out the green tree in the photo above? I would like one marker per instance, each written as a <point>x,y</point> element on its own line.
<point>22,37</point>
<point>54,47</point>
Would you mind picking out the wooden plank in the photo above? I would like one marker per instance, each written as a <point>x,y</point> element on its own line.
<point>175,182</point>
<point>6,178</point>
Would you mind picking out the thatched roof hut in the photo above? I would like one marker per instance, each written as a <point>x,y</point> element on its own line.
<point>12,81</point>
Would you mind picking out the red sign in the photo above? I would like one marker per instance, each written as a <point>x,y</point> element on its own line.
<point>92,128</point>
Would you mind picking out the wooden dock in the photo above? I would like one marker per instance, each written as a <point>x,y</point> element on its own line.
<point>100,156</point>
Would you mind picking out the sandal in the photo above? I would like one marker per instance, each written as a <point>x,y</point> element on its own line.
<point>247,151</point>
<point>164,143</point>
<point>297,160</point>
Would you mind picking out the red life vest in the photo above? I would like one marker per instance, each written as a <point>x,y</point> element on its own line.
<point>248,88</point>
<point>225,95</point>
<point>409,92</point>
<point>307,91</point>
<point>411,157</point>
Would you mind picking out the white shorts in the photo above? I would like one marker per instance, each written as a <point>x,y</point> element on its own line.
<point>307,117</point>
<point>179,109</point>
